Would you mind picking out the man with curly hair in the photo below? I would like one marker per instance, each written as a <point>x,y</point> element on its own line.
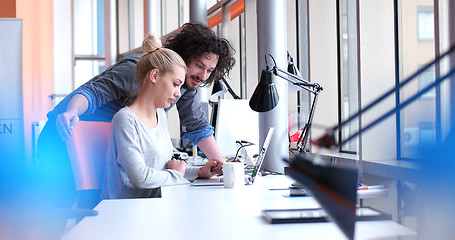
<point>207,56</point>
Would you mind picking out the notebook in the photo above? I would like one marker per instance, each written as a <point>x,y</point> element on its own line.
<point>249,179</point>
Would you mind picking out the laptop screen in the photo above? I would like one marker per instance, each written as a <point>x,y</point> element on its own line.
<point>262,153</point>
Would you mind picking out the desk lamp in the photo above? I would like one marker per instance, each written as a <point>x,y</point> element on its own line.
<point>335,188</point>
<point>265,96</point>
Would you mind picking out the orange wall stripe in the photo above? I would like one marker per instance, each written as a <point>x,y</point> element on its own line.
<point>8,9</point>
<point>214,20</point>
<point>236,9</point>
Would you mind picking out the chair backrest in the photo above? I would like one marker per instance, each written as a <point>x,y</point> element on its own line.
<point>87,148</point>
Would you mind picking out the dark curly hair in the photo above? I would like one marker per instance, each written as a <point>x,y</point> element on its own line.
<point>195,39</point>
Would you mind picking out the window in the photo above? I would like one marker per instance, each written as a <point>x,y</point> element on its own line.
<point>417,48</point>
<point>89,40</point>
<point>426,78</point>
<point>377,76</point>
<point>380,45</point>
<point>348,75</point>
<point>425,23</point>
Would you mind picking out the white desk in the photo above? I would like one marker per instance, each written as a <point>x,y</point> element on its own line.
<point>188,212</point>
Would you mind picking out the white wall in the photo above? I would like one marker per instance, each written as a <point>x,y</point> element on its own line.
<point>377,76</point>
<point>171,11</point>
<point>323,62</point>
<point>139,31</point>
<point>251,51</point>
<point>63,68</point>
<point>123,33</point>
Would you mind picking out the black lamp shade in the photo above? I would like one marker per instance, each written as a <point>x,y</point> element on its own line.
<point>265,96</point>
<point>219,88</point>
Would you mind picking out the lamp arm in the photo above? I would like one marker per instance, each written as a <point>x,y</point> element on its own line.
<point>300,81</point>
<point>303,139</point>
<point>314,88</point>
<point>235,96</point>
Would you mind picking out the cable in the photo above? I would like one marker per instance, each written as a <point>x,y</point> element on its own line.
<point>241,146</point>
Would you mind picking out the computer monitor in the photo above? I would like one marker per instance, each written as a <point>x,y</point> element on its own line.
<point>236,121</point>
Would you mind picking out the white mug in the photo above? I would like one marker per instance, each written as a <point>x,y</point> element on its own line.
<point>233,174</point>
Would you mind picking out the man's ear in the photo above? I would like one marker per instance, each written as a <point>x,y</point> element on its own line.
<point>153,75</point>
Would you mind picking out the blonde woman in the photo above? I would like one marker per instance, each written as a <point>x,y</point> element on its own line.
<point>139,158</point>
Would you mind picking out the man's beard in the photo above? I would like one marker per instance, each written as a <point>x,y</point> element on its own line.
<point>189,85</point>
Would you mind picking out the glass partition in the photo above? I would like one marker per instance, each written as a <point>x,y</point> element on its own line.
<point>348,63</point>
<point>417,48</point>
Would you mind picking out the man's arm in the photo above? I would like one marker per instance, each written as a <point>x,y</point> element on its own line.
<point>210,148</point>
<point>115,83</point>
<point>66,121</point>
<point>196,127</point>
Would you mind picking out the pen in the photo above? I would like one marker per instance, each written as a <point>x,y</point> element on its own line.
<point>372,187</point>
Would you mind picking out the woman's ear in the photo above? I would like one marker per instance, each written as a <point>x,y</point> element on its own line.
<point>153,75</point>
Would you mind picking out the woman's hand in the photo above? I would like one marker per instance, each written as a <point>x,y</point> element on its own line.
<point>177,165</point>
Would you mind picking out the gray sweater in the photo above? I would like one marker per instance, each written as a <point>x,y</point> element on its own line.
<point>137,156</point>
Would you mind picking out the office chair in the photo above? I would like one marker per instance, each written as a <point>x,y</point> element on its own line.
<point>87,148</point>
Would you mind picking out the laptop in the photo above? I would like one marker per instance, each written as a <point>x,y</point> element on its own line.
<point>249,179</point>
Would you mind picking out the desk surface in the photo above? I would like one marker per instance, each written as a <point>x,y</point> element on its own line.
<point>213,212</point>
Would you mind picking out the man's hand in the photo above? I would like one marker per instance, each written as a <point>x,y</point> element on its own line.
<point>177,165</point>
<point>67,121</point>
<point>218,167</point>
<point>210,169</point>
<point>65,124</point>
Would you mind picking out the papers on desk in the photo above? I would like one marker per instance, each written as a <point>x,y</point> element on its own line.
<point>372,191</point>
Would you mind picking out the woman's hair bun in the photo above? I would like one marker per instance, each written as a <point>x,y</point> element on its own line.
<point>151,43</point>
